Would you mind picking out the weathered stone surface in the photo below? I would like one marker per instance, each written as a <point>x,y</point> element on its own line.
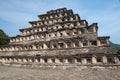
<point>10,73</point>
<point>59,37</point>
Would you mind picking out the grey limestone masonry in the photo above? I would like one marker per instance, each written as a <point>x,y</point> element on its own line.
<point>59,38</point>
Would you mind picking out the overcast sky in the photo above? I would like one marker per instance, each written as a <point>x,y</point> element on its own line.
<point>15,14</point>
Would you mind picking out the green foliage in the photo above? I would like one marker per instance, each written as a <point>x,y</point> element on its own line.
<point>4,39</point>
<point>115,47</point>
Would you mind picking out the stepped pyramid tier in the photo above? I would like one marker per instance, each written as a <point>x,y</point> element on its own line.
<point>59,36</point>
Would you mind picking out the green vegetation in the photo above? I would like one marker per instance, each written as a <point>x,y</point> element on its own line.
<point>115,47</point>
<point>4,39</point>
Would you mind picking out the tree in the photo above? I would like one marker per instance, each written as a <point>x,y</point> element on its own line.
<point>4,39</point>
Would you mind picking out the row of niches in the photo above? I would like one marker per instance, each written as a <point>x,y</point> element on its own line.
<point>53,21</point>
<point>57,11</point>
<point>56,45</point>
<point>65,60</point>
<point>53,35</point>
<point>51,16</point>
<point>55,27</point>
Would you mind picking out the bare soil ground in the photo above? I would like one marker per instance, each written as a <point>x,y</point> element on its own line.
<point>14,73</point>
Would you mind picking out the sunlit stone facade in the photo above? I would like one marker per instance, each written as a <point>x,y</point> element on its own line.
<point>59,37</point>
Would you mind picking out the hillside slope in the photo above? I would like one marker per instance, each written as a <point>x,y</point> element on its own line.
<point>115,47</point>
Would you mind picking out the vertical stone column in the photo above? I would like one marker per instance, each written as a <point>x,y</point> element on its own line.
<point>7,49</point>
<point>45,46</point>
<point>42,60</point>
<point>10,40</point>
<point>75,61</point>
<point>4,49</point>
<point>19,60</point>
<point>30,25</point>
<point>15,60</point>
<point>66,19</point>
<point>104,58</point>
<point>52,34</point>
<point>94,29</point>
<point>116,60</point>
<point>20,39</point>
<point>65,60</point>
<point>16,48</point>
<point>6,60</point>
<point>38,24</point>
<point>35,30</point>
<point>65,26</point>
<point>52,46</point>
<point>84,61</point>
<point>49,61</point>
<point>66,46</point>
<point>58,46</point>
<point>73,45</point>
<point>36,61</point>
<point>13,48</point>
<point>24,60</point>
<point>25,48</point>
<point>88,43</point>
<point>80,44</point>
<point>32,37</point>
<point>58,33</point>
<point>44,29</point>
<point>3,60</point>
<point>17,40</point>
<point>34,47</point>
<point>30,60</point>
<point>47,36</point>
<point>40,47</point>
<point>40,29</point>
<point>10,60</point>
<point>76,17</point>
<point>64,33</point>
<point>94,61</point>
<point>37,36</point>
<point>57,61</point>
<point>79,31</point>
<point>98,43</point>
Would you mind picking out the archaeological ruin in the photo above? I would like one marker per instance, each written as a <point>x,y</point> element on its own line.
<point>58,38</point>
